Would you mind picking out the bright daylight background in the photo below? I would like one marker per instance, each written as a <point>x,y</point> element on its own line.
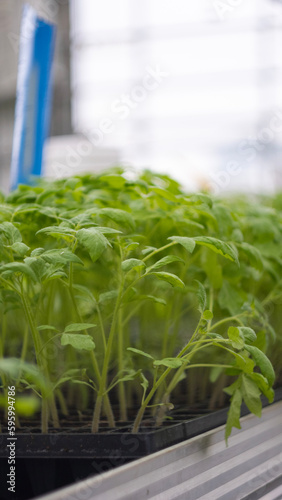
<point>217,114</point>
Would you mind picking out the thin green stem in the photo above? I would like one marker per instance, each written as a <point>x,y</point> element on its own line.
<point>47,400</point>
<point>101,324</point>
<point>227,320</point>
<point>103,380</point>
<point>108,409</point>
<point>121,388</point>
<point>173,243</point>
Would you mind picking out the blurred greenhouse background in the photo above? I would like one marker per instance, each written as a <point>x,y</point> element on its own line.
<point>193,89</point>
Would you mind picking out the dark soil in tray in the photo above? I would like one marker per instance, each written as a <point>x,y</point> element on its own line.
<point>45,462</point>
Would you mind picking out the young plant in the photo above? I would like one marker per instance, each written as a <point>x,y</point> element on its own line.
<point>121,287</point>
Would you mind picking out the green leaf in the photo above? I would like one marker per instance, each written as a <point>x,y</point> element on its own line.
<point>169,362</point>
<point>106,296</point>
<point>13,367</point>
<point>115,181</point>
<point>212,268</point>
<point>170,278</point>
<point>253,254</point>
<point>78,327</point>
<point>18,267</point>
<point>152,297</point>
<point>147,250</point>
<point>262,384</point>
<point>202,198</point>
<point>118,216</point>
<point>262,362</point>
<point>142,353</point>
<point>247,334</point>
<point>47,327</point>
<point>94,242</point>
<point>165,261</point>
<point>235,337</point>
<point>85,291</point>
<point>60,256</point>
<point>227,250</point>
<point>20,248</point>
<point>230,298</point>
<point>168,195</point>
<point>11,232</point>
<point>234,412</point>
<point>108,230</point>
<point>25,406</point>
<point>187,243</point>
<point>201,296</point>
<point>37,252</point>
<point>251,395</point>
<point>78,341</point>
<point>129,264</point>
<point>57,231</point>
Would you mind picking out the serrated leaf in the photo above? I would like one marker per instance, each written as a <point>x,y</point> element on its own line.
<point>118,216</point>
<point>230,298</point>
<point>247,334</point>
<point>201,296</point>
<point>170,278</point>
<point>262,383</point>
<point>262,362</point>
<point>129,264</point>
<point>168,362</point>
<point>155,299</point>
<point>227,250</point>
<point>85,291</point>
<point>108,230</point>
<point>235,337</point>
<point>94,242</point>
<point>168,195</point>
<point>253,254</point>
<point>57,231</point>
<point>78,327</point>
<point>60,256</point>
<point>138,351</point>
<point>187,243</point>
<point>202,198</point>
<point>20,248</point>
<point>19,267</point>
<point>11,232</point>
<point>234,412</point>
<point>37,252</point>
<point>165,261</point>
<point>78,341</point>
<point>251,395</point>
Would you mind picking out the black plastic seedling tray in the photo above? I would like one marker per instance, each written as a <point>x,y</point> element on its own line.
<point>48,461</point>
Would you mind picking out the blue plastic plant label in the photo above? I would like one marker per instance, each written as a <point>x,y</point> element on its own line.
<point>33,103</point>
